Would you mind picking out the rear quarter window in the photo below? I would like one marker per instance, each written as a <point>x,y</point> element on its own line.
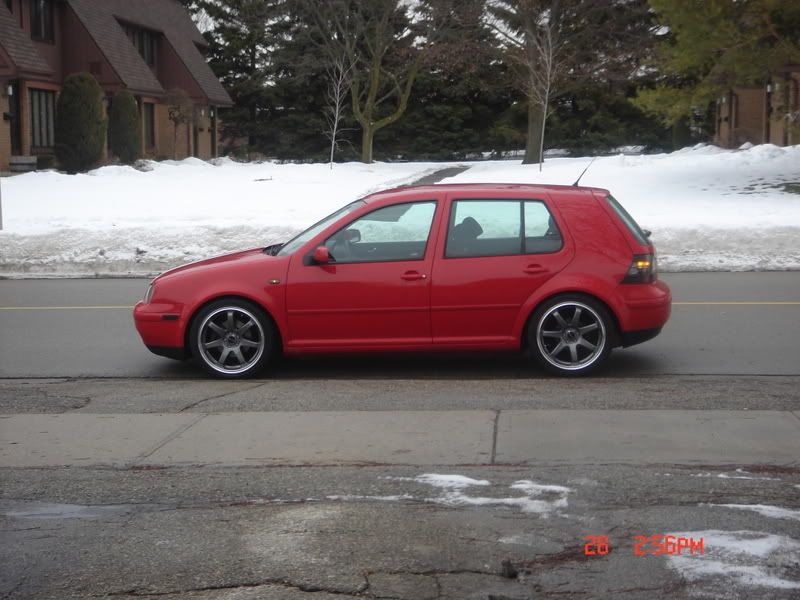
<point>629,221</point>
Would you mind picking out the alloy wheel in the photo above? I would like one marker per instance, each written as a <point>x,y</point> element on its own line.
<point>571,335</point>
<point>231,340</point>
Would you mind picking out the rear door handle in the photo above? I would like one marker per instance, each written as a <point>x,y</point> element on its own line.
<point>535,269</point>
<point>413,276</point>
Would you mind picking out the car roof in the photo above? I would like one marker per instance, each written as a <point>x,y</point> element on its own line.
<point>488,188</point>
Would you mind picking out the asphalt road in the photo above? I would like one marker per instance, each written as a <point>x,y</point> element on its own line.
<point>722,324</point>
<point>126,475</point>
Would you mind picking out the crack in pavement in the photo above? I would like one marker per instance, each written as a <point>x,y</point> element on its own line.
<point>217,397</point>
<point>285,583</point>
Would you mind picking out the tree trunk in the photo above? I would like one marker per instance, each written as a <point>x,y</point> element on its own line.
<point>367,135</point>
<point>533,145</point>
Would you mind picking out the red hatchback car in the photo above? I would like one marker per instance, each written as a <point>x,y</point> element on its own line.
<point>562,272</point>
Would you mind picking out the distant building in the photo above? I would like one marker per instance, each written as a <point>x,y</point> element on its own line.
<point>145,46</point>
<point>761,115</point>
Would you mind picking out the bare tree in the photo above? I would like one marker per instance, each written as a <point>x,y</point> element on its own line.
<point>386,42</point>
<point>529,32</point>
<point>556,45</point>
<point>180,110</point>
<point>338,74</point>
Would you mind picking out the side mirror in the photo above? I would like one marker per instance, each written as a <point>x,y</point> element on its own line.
<point>321,256</point>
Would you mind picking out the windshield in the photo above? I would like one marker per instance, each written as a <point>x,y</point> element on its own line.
<point>308,234</point>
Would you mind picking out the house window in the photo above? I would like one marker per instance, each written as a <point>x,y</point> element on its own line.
<point>149,120</point>
<point>10,5</point>
<point>42,23</point>
<point>145,42</point>
<point>42,117</point>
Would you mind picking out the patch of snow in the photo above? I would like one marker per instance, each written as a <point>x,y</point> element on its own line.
<point>775,512</point>
<point>744,558</point>
<point>738,476</point>
<point>350,497</point>
<point>746,146</point>
<point>450,482</point>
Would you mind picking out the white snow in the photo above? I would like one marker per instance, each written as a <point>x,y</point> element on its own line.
<point>450,482</point>
<point>775,512</point>
<point>708,208</point>
<point>118,219</point>
<point>740,474</point>
<point>743,558</point>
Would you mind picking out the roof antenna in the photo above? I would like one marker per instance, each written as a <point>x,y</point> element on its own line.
<point>578,180</point>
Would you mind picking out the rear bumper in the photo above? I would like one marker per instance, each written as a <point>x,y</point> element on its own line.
<point>645,310</point>
<point>169,352</point>
<point>631,338</point>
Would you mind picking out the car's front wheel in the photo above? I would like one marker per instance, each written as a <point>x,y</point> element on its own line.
<point>570,334</point>
<point>232,338</point>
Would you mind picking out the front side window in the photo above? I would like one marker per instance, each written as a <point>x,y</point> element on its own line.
<point>309,234</point>
<point>392,233</point>
<point>42,119</point>
<point>42,23</point>
<point>495,228</point>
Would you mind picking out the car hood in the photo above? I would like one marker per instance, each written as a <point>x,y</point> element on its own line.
<point>234,257</point>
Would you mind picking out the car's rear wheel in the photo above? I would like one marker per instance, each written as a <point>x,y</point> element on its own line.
<point>570,334</point>
<point>232,338</point>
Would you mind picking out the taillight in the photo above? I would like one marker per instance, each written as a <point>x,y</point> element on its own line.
<point>642,269</point>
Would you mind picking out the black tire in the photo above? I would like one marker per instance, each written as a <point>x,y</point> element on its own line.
<point>571,335</point>
<point>232,338</point>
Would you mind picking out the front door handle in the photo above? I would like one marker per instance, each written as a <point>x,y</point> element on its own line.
<point>535,269</point>
<point>413,276</point>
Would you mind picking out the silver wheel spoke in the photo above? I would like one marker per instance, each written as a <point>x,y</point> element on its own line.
<point>587,345</point>
<point>588,328</point>
<point>553,334</point>
<point>249,344</point>
<point>561,322</point>
<point>216,328</point>
<point>237,352</point>
<point>245,327</point>
<point>558,348</point>
<point>573,352</point>
<point>230,322</point>
<point>224,356</point>
<point>213,344</point>
<point>576,317</point>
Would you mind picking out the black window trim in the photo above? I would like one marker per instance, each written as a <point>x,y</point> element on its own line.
<point>522,202</point>
<point>308,261</point>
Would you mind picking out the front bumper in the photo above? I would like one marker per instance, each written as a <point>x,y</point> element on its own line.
<point>161,327</point>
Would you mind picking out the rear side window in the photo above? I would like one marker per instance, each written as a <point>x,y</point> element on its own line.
<point>632,225</point>
<point>500,228</point>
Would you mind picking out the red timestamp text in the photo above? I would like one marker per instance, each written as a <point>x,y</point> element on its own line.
<point>643,545</point>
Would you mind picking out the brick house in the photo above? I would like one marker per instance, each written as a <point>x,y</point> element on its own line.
<point>145,46</point>
<point>763,114</point>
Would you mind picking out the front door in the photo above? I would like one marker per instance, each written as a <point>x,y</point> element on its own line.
<point>497,253</point>
<point>375,292</point>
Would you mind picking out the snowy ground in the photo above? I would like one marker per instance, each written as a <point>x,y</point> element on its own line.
<point>709,209</point>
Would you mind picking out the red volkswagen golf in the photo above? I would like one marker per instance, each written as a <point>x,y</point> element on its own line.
<point>563,273</point>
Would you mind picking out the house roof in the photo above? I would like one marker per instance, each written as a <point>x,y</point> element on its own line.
<point>168,17</point>
<point>18,46</point>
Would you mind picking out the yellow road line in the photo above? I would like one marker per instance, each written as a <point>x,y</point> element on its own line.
<point>65,307</point>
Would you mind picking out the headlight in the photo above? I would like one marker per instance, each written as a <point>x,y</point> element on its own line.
<point>149,293</point>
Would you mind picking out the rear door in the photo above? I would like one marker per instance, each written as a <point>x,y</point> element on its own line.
<point>492,256</point>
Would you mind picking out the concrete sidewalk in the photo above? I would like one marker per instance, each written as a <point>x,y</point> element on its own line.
<point>402,437</point>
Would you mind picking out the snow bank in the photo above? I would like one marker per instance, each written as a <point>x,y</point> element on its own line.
<point>708,208</point>
<point>122,220</point>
